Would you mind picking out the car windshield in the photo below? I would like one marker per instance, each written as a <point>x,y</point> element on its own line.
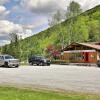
<point>40,57</point>
<point>9,57</point>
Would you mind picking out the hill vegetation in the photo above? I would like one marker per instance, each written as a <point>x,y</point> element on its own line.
<point>82,28</point>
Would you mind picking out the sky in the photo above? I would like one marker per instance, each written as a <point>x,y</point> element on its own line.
<point>28,17</point>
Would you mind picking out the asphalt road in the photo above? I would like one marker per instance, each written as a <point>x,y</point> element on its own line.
<point>61,77</point>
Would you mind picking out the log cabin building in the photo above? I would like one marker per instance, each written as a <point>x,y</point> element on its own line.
<point>81,53</point>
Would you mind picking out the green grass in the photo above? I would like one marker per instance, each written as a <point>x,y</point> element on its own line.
<point>8,93</point>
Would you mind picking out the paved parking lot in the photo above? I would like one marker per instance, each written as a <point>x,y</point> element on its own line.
<point>63,77</point>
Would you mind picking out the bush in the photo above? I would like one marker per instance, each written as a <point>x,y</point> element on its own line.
<point>59,61</point>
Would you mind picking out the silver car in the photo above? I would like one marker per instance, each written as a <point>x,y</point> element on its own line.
<point>8,61</point>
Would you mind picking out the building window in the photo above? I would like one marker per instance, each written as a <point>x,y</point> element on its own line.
<point>92,56</point>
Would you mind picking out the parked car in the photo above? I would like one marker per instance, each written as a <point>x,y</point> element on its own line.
<point>38,60</point>
<point>98,63</point>
<point>8,61</point>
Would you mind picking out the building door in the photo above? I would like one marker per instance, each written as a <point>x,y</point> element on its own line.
<point>86,57</point>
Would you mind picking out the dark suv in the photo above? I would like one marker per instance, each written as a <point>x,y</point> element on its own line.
<point>38,60</point>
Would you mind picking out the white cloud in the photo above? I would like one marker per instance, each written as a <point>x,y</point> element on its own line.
<point>3,1</point>
<point>50,6</point>
<point>88,4</point>
<point>3,42</point>
<point>26,33</point>
<point>2,9</point>
<point>9,27</point>
<point>3,12</point>
<point>43,6</point>
<point>29,26</point>
<point>38,21</point>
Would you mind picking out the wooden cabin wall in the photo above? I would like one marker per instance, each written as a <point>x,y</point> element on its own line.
<point>98,55</point>
<point>73,57</point>
<point>92,57</point>
<point>79,57</point>
<point>65,57</point>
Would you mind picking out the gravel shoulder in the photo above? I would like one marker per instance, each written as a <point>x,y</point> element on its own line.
<point>54,77</point>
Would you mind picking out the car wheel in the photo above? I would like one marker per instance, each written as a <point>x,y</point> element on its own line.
<point>6,64</point>
<point>41,64</point>
<point>37,64</point>
<point>16,66</point>
<point>48,64</point>
<point>30,63</point>
<point>98,63</point>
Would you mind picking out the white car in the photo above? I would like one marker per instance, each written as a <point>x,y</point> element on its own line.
<point>8,61</point>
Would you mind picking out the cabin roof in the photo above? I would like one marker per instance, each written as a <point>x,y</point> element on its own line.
<point>92,45</point>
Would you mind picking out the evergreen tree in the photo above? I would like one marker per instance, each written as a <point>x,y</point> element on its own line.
<point>73,9</point>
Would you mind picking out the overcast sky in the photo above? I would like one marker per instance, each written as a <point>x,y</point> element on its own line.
<point>27,17</point>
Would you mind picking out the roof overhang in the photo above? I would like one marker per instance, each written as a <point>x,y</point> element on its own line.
<point>90,45</point>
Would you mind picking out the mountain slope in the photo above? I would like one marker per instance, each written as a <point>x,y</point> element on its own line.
<point>83,28</point>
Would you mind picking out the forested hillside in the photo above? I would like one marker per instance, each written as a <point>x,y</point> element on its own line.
<point>83,28</point>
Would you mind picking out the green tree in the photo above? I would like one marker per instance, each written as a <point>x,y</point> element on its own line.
<point>13,37</point>
<point>80,30</point>
<point>55,19</point>
<point>73,9</point>
<point>94,30</point>
<point>14,45</point>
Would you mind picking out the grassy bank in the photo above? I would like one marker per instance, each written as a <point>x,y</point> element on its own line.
<point>7,93</point>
